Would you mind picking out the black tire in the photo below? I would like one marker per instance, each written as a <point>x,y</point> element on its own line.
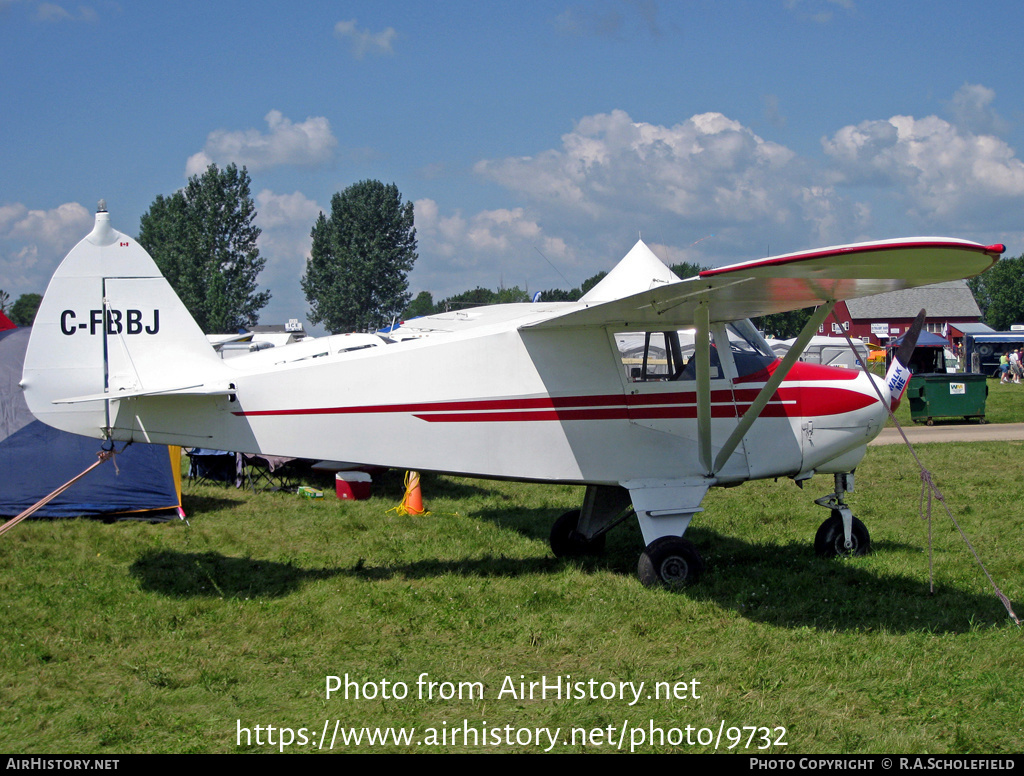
<point>830,541</point>
<point>671,562</point>
<point>567,542</point>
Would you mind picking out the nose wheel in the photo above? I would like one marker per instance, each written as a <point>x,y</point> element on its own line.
<point>842,533</point>
<point>830,541</point>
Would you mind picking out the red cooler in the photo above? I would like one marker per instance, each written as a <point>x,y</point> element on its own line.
<point>352,485</point>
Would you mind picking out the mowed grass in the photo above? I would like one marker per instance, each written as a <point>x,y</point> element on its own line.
<point>132,637</point>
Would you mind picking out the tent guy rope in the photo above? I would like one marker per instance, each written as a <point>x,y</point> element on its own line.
<point>102,457</point>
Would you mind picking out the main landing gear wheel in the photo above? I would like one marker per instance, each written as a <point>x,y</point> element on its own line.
<point>567,542</point>
<point>670,561</point>
<point>830,541</point>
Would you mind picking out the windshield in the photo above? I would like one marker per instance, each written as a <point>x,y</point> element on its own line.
<point>749,350</point>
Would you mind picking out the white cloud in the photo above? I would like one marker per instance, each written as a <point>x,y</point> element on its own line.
<point>590,21</point>
<point>609,163</point>
<point>307,143</point>
<point>365,42</point>
<point>277,210</point>
<point>612,178</point>
<point>971,108</point>
<point>942,174</point>
<point>52,12</point>
<point>820,11</point>
<point>706,173</point>
<point>490,233</point>
<point>286,221</point>
<point>33,242</point>
<point>485,248</point>
<point>710,190</point>
<point>610,19</point>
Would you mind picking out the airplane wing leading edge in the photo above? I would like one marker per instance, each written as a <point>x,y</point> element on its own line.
<point>791,282</point>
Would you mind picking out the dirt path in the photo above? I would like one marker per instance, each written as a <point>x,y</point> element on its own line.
<point>963,432</point>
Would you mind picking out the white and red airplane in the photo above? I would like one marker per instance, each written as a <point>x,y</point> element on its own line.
<point>597,392</point>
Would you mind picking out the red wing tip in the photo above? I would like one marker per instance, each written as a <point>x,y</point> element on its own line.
<point>997,248</point>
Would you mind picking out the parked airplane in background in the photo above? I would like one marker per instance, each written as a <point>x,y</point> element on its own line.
<point>598,392</point>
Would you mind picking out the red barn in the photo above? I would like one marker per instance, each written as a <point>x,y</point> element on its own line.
<point>877,319</point>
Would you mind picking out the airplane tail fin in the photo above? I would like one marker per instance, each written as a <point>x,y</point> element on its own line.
<point>109,326</point>
<point>898,376</point>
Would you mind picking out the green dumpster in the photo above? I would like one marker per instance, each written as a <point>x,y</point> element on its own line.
<point>947,396</point>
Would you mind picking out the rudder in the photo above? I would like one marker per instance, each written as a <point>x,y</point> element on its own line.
<point>109,323</point>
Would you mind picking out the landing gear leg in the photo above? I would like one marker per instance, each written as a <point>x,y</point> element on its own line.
<point>842,533</point>
<point>582,531</point>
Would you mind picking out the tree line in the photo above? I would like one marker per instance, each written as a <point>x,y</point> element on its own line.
<point>204,240</point>
<point>424,303</point>
<point>22,311</point>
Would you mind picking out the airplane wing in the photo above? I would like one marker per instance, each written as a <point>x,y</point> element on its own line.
<point>790,282</point>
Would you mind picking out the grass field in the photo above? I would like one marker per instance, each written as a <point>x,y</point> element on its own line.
<point>132,637</point>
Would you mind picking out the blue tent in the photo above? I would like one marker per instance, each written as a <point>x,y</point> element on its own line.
<point>36,459</point>
<point>925,340</point>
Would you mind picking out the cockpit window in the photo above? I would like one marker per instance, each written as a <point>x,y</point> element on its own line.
<point>750,352</point>
<point>661,356</point>
<point>650,356</point>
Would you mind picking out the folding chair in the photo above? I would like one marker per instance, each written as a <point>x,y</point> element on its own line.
<point>269,472</point>
<point>211,467</point>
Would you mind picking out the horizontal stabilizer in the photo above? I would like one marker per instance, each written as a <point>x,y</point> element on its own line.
<point>182,390</point>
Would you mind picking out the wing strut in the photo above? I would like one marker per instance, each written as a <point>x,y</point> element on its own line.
<point>702,352</point>
<point>754,411</point>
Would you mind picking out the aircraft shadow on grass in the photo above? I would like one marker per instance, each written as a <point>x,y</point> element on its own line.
<point>777,584</point>
<point>213,575</point>
<point>788,586</point>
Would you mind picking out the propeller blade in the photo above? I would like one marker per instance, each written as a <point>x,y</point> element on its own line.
<point>898,375</point>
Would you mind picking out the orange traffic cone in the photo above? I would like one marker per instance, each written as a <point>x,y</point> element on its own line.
<point>413,501</point>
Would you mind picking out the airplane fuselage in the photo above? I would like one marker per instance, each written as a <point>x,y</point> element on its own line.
<point>538,405</point>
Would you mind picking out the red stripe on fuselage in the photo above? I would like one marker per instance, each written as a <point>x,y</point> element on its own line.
<point>788,401</point>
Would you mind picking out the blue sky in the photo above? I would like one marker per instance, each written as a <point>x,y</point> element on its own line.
<point>719,131</point>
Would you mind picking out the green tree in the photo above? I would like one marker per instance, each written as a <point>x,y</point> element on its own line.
<point>356,275</point>
<point>687,269</point>
<point>592,281</point>
<point>511,295</point>
<point>1000,293</point>
<point>23,311</point>
<point>204,241</point>
<point>559,295</point>
<point>784,325</point>
<point>423,304</point>
<point>477,297</point>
